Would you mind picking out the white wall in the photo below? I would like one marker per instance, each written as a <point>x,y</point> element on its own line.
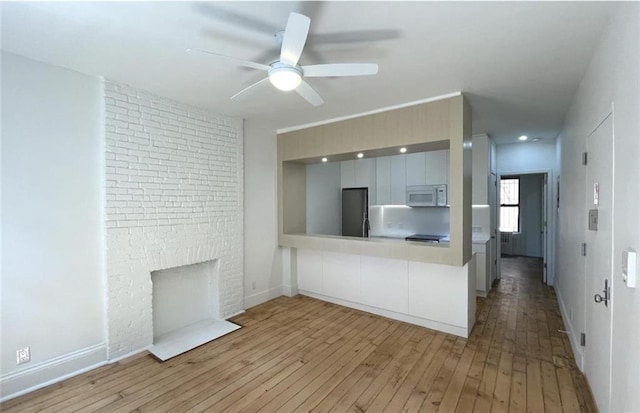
<point>531,157</point>
<point>323,198</point>
<point>52,227</point>
<point>262,259</point>
<point>613,76</point>
<point>174,197</point>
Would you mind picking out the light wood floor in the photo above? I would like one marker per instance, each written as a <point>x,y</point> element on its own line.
<point>301,354</point>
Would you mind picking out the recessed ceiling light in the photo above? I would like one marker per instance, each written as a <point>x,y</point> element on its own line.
<point>535,139</point>
<point>403,150</point>
<point>324,159</point>
<point>360,155</point>
<point>523,138</point>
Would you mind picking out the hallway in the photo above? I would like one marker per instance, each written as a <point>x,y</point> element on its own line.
<point>520,319</point>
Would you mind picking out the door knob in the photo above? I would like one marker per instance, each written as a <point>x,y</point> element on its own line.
<point>603,299</point>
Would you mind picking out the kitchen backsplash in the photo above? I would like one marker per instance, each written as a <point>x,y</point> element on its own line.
<point>400,221</point>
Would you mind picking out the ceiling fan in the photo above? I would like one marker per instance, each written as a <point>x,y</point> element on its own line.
<point>286,74</point>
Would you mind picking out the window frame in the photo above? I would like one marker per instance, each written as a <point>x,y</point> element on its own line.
<point>511,177</point>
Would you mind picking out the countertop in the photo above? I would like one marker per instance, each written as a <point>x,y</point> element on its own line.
<point>445,240</point>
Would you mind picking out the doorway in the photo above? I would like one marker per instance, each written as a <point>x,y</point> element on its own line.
<point>522,210</point>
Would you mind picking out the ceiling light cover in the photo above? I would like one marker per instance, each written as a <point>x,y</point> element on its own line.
<point>403,150</point>
<point>324,159</point>
<point>360,155</point>
<point>523,138</point>
<point>285,78</point>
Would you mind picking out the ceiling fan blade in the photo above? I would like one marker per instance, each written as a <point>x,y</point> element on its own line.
<point>340,69</point>
<point>295,36</point>
<point>240,62</point>
<point>309,94</point>
<point>246,89</point>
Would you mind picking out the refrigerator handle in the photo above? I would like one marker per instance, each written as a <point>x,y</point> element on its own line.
<point>365,225</point>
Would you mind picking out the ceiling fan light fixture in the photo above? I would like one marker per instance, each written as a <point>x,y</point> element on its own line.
<point>285,78</point>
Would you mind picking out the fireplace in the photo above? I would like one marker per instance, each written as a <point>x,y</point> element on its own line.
<point>185,308</point>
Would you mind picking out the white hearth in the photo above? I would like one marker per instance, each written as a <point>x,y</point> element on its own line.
<point>185,308</point>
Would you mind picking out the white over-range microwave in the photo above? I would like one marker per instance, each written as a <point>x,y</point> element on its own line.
<point>427,196</point>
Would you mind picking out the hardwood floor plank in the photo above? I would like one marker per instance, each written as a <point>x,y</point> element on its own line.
<point>502,389</point>
<point>400,374</point>
<point>535,401</point>
<point>567,391</point>
<point>421,389</point>
<point>302,354</point>
<point>488,382</point>
<point>550,389</point>
<point>402,394</point>
<point>454,389</point>
<point>518,394</point>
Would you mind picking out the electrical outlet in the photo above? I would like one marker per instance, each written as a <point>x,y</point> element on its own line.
<point>253,285</point>
<point>23,355</point>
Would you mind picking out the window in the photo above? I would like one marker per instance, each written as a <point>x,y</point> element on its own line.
<point>510,204</point>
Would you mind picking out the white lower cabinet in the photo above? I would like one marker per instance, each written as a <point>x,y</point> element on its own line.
<point>341,275</point>
<point>385,283</point>
<point>310,270</point>
<point>434,292</point>
<point>483,269</point>
<point>430,295</point>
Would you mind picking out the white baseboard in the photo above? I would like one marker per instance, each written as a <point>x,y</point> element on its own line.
<point>573,335</point>
<point>423,322</point>
<point>40,375</point>
<point>261,297</point>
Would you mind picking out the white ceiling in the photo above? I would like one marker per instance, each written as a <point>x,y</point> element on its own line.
<point>518,62</point>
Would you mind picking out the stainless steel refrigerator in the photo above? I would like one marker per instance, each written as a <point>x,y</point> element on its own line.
<point>355,212</point>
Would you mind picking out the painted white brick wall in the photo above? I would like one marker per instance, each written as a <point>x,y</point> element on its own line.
<point>174,196</point>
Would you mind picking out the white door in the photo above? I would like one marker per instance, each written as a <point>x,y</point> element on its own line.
<point>599,263</point>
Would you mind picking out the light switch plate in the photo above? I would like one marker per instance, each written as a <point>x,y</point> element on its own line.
<point>629,268</point>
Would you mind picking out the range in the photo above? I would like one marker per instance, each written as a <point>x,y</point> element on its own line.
<point>425,238</point>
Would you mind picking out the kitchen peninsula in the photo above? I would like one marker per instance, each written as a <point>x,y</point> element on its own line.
<point>423,283</point>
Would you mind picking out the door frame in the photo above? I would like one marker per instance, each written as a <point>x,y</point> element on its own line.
<point>549,255</point>
<point>588,297</point>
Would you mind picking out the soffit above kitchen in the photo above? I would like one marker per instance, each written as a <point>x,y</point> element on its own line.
<point>518,63</point>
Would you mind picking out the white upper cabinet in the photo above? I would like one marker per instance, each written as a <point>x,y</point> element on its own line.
<point>416,172</point>
<point>347,174</point>
<point>437,167</point>
<point>359,173</point>
<point>480,155</point>
<point>398,180</point>
<point>383,180</point>
<point>387,177</point>
<point>428,168</point>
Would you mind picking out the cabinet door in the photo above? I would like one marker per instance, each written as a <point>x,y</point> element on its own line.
<point>383,180</point>
<point>481,273</point>
<point>347,174</point>
<point>398,180</point>
<point>416,172</point>
<point>437,167</point>
<point>365,176</point>
<point>480,177</point>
